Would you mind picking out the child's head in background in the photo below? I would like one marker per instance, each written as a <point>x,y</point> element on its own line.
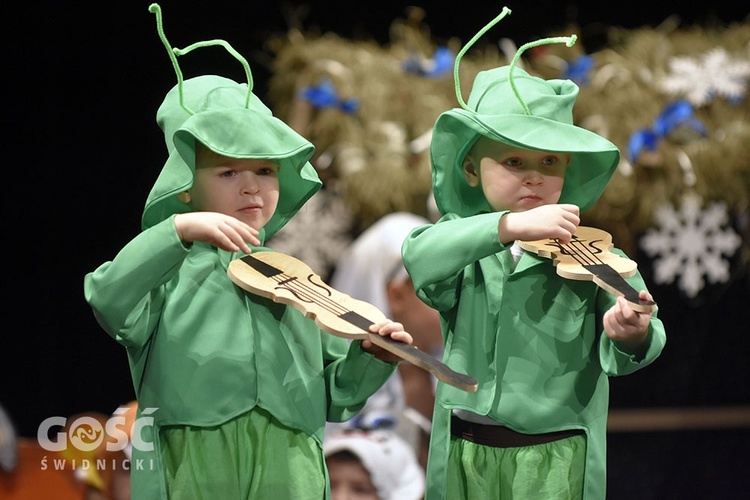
<point>372,465</point>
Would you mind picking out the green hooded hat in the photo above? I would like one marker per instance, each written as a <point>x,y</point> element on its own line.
<point>225,126</point>
<point>508,105</point>
<point>231,121</point>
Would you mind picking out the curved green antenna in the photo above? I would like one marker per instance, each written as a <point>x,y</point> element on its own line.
<point>173,52</point>
<point>567,40</point>
<point>154,8</point>
<point>466,47</point>
<point>230,49</point>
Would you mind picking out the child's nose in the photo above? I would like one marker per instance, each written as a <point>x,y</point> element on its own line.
<point>533,178</point>
<point>250,183</point>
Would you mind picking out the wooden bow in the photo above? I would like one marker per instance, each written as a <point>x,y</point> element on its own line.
<point>287,280</point>
<point>587,257</point>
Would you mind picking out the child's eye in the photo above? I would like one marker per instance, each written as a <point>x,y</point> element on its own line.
<point>549,160</point>
<point>228,173</point>
<point>513,162</point>
<point>553,164</point>
<point>269,170</point>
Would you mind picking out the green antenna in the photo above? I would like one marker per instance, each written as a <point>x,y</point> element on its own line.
<point>466,47</point>
<point>173,52</point>
<point>567,40</point>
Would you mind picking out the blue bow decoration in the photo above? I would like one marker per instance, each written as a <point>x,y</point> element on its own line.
<point>324,95</point>
<point>440,64</point>
<point>579,69</point>
<point>674,115</point>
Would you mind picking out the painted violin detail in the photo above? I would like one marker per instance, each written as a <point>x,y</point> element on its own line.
<point>289,281</point>
<point>587,257</point>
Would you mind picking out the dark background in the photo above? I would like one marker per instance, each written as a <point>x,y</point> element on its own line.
<point>82,84</point>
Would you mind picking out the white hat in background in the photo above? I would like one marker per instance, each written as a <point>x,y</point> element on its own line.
<point>392,464</point>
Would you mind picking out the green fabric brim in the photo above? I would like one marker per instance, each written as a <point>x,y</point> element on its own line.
<point>238,133</point>
<point>594,158</point>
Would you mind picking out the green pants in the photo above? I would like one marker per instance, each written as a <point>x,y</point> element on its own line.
<point>550,471</point>
<point>250,457</point>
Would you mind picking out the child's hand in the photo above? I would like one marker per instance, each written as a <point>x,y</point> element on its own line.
<point>626,326</point>
<point>217,229</point>
<point>547,221</point>
<point>385,329</point>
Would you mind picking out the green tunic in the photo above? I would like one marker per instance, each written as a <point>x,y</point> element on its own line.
<point>532,339</point>
<point>202,351</point>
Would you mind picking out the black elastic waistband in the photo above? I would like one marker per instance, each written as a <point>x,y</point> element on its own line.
<point>499,436</point>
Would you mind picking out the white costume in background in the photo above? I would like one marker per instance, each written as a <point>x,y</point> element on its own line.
<point>362,272</point>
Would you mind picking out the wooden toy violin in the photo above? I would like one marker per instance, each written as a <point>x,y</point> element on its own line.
<point>287,280</point>
<point>587,257</point>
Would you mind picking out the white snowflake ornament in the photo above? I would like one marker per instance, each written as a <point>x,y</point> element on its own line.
<point>318,234</point>
<point>700,79</point>
<point>691,244</point>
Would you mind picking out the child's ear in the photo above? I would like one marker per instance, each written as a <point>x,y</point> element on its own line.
<point>395,291</point>
<point>184,197</point>
<point>470,172</point>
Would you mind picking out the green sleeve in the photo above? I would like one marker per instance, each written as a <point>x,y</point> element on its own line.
<point>615,361</point>
<point>352,378</point>
<point>126,293</point>
<point>436,254</point>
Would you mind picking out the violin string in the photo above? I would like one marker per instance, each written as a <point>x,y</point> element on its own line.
<point>305,292</point>
<point>584,255</point>
<point>311,294</point>
<point>573,252</point>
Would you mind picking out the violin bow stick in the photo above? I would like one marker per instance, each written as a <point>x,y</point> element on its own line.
<point>286,280</point>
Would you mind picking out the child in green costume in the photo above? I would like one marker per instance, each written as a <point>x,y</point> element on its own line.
<point>233,389</point>
<point>511,166</point>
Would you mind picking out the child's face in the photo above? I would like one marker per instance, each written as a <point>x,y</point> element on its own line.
<point>515,179</point>
<point>245,189</point>
<point>349,479</point>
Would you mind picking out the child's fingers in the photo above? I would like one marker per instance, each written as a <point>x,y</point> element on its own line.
<point>628,318</point>
<point>393,329</point>
<point>644,295</point>
<point>626,314</point>
<point>569,207</point>
<point>235,240</point>
<point>246,233</point>
<point>242,243</point>
<point>249,238</point>
<point>386,327</point>
<point>402,336</point>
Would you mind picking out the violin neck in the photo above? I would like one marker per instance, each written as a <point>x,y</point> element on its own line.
<point>286,280</point>
<point>609,279</point>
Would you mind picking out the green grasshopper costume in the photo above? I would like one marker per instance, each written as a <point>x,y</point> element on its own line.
<point>532,339</point>
<point>239,388</point>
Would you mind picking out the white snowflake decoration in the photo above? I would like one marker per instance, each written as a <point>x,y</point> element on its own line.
<point>691,244</point>
<point>318,234</point>
<point>700,79</point>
